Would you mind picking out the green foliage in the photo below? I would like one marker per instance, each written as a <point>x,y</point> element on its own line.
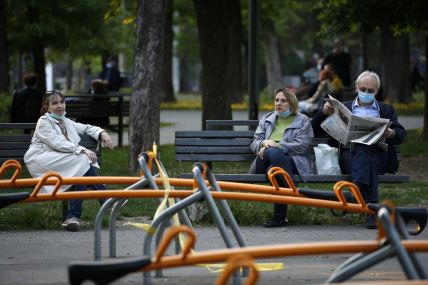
<point>5,103</point>
<point>344,16</point>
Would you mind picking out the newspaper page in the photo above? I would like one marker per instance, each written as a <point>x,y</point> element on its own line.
<point>345,127</point>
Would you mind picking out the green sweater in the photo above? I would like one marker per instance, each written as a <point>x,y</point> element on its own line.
<point>280,126</point>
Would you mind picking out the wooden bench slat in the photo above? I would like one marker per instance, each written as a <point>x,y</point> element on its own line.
<point>15,138</point>
<point>215,157</point>
<point>211,150</point>
<point>261,178</point>
<point>212,142</point>
<point>14,145</point>
<point>214,134</point>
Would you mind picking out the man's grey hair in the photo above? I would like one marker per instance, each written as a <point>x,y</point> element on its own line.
<point>371,74</point>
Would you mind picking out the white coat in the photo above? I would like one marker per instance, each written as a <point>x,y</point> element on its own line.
<point>51,151</point>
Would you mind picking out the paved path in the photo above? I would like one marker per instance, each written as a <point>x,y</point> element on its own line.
<point>191,120</point>
<point>41,257</point>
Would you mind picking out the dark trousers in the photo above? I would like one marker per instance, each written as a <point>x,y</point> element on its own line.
<point>364,163</point>
<point>276,157</point>
<point>75,209</point>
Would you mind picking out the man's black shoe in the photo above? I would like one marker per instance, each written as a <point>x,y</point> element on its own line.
<point>371,222</point>
<point>276,223</point>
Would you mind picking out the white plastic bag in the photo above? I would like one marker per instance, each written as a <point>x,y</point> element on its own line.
<point>327,160</point>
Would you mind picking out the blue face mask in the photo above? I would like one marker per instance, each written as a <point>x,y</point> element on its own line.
<point>58,117</point>
<point>284,114</point>
<point>109,65</point>
<point>365,97</point>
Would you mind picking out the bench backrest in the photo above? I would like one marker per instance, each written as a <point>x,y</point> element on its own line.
<point>14,143</point>
<point>224,145</point>
<point>218,145</point>
<point>97,108</point>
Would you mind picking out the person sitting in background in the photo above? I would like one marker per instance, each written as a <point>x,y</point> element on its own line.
<point>325,87</point>
<point>282,139</point>
<point>341,61</point>
<point>336,82</point>
<point>99,91</point>
<point>366,162</point>
<point>111,75</point>
<point>55,147</point>
<point>310,80</point>
<point>26,102</point>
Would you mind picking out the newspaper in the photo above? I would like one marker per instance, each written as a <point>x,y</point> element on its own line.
<point>346,128</point>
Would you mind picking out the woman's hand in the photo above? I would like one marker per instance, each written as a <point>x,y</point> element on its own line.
<point>327,109</point>
<point>261,152</point>
<point>91,155</point>
<point>106,140</point>
<point>269,143</point>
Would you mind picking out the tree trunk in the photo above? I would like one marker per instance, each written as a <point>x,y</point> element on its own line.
<point>168,90</point>
<point>39,65</point>
<point>69,73</point>
<point>4,56</point>
<point>396,62</point>
<point>273,62</point>
<point>220,46</point>
<point>185,74</point>
<point>145,100</point>
<point>425,135</point>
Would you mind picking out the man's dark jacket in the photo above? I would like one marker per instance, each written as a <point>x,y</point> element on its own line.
<point>386,111</point>
<point>26,105</point>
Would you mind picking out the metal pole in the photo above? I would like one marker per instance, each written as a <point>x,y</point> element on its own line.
<point>253,82</point>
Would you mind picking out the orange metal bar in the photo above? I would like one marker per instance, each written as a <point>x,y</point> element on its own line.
<point>169,235</point>
<point>150,193</point>
<point>275,171</point>
<point>281,250</point>
<point>11,163</point>
<point>52,178</point>
<point>236,262</point>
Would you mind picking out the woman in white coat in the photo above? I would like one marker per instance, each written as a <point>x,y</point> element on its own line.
<point>55,147</point>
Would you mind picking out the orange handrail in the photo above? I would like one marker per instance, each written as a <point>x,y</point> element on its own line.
<point>236,262</point>
<point>270,251</point>
<point>10,163</point>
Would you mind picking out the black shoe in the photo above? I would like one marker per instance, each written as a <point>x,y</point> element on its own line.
<point>276,223</point>
<point>371,222</point>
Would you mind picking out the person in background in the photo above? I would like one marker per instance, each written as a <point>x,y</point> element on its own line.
<point>325,87</point>
<point>341,61</point>
<point>111,75</point>
<point>366,162</point>
<point>55,147</point>
<point>26,102</point>
<point>310,80</point>
<point>282,139</point>
<point>336,82</point>
<point>99,90</point>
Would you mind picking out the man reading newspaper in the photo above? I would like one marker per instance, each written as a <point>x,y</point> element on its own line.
<point>366,131</point>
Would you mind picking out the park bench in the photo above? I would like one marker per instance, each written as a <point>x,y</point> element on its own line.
<point>14,143</point>
<point>84,108</point>
<point>234,146</point>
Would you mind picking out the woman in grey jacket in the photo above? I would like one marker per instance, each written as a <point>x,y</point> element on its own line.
<point>282,139</point>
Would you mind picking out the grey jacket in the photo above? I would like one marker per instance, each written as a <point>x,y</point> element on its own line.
<point>296,140</point>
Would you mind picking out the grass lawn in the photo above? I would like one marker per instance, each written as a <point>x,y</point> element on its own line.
<point>48,215</point>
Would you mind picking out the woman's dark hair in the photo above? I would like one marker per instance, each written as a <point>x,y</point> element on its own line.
<point>46,97</point>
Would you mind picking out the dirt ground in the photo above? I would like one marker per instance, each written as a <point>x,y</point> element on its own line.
<point>415,166</point>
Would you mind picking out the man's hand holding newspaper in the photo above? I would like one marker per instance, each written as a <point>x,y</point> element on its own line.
<point>345,127</point>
